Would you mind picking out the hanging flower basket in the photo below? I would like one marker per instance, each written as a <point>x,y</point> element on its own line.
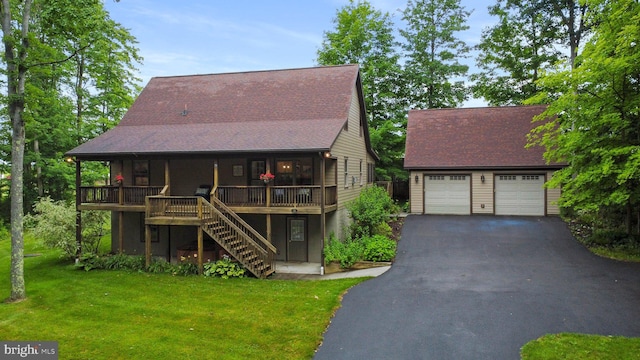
<point>267,177</point>
<point>119,179</point>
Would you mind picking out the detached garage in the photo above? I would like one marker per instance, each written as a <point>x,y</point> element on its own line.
<point>474,161</point>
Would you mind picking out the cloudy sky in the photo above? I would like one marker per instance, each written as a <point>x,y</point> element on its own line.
<point>216,36</point>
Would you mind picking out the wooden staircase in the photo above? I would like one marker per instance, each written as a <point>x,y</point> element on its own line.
<point>223,225</point>
<point>239,239</point>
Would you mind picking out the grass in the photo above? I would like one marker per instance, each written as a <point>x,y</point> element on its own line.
<point>121,315</point>
<point>581,347</point>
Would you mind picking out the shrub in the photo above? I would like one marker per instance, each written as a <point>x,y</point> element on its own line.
<point>54,224</point>
<point>379,248</point>
<point>224,268</point>
<point>371,208</point>
<point>345,252</point>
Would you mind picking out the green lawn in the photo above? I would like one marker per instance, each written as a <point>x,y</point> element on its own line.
<point>120,315</point>
<point>582,347</point>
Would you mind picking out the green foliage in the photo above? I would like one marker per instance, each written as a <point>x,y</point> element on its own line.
<point>382,229</point>
<point>364,36</point>
<point>379,248</point>
<point>224,268</point>
<point>514,51</point>
<point>54,223</point>
<point>346,252</point>
<point>594,120</point>
<point>369,210</point>
<point>433,70</point>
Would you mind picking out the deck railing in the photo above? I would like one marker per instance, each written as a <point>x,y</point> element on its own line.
<point>274,196</point>
<point>124,195</point>
<point>250,196</point>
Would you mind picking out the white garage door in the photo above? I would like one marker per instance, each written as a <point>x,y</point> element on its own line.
<point>519,195</point>
<point>447,194</point>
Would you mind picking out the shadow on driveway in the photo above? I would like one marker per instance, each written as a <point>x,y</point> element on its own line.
<point>480,287</point>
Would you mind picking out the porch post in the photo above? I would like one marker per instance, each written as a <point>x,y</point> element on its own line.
<point>167,177</point>
<point>78,212</point>
<point>268,201</point>
<point>215,178</point>
<point>323,218</point>
<point>200,250</point>
<point>147,244</point>
<point>120,232</point>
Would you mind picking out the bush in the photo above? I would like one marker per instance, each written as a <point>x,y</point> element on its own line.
<point>379,248</point>
<point>346,252</point>
<point>370,209</point>
<point>54,224</point>
<point>224,268</point>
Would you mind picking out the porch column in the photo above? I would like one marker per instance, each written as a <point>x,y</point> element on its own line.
<point>147,244</point>
<point>120,232</point>
<point>215,178</point>
<point>200,250</point>
<point>78,212</point>
<point>323,218</point>
<point>167,177</point>
<point>268,201</point>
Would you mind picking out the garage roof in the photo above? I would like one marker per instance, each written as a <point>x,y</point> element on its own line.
<point>490,137</point>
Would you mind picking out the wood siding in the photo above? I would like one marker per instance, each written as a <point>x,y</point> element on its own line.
<point>416,192</point>
<point>350,144</point>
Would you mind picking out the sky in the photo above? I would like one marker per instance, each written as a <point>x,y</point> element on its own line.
<point>218,36</point>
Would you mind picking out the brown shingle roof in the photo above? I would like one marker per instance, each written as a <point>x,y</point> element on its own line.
<point>492,137</point>
<point>279,110</point>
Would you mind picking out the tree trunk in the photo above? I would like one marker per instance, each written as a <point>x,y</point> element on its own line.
<point>15,56</point>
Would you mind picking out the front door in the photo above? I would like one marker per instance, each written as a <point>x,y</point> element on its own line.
<point>297,242</point>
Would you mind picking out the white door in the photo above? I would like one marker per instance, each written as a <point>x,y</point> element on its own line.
<point>447,194</point>
<point>519,195</point>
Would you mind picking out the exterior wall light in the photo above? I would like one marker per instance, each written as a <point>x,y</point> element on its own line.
<point>416,179</point>
<point>482,178</point>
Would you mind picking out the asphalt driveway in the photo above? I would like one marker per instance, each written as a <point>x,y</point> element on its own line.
<point>476,287</point>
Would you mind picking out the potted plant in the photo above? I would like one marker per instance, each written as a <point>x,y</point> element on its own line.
<point>119,179</point>
<point>267,177</point>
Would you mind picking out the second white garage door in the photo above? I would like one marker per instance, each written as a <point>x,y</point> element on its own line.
<point>447,194</point>
<point>519,195</point>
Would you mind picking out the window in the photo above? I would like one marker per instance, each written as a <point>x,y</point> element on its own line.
<point>436,177</point>
<point>508,177</point>
<point>346,172</point>
<point>371,172</point>
<point>457,177</point>
<point>256,168</point>
<point>531,177</point>
<point>141,173</point>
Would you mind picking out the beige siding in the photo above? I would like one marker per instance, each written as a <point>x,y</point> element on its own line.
<point>416,192</point>
<point>482,193</point>
<point>553,195</point>
<point>350,145</point>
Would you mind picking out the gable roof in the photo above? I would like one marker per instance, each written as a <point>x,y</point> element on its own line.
<point>278,110</point>
<point>491,137</point>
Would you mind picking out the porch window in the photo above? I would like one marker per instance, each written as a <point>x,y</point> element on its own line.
<point>256,167</point>
<point>141,173</point>
<point>294,172</point>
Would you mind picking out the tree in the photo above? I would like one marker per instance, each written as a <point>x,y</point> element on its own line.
<point>16,41</point>
<point>364,36</point>
<point>528,40</point>
<point>513,52</point>
<point>434,75</point>
<point>596,126</point>
<point>39,42</point>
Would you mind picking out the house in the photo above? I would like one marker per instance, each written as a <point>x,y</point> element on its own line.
<point>475,161</point>
<point>192,153</point>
